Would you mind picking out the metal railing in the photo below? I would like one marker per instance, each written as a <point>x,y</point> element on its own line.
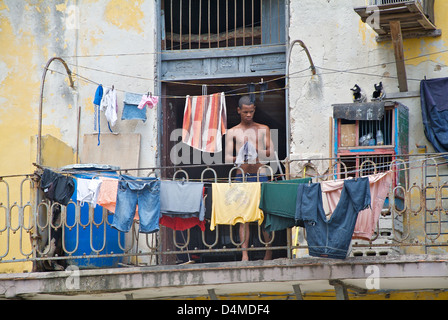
<point>380,2</point>
<point>414,220</point>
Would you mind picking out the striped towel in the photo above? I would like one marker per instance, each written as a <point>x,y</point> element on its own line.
<point>205,122</point>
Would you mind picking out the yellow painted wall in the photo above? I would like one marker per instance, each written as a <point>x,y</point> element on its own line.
<point>32,32</point>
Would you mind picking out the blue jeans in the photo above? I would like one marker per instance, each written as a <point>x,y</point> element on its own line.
<point>133,191</point>
<point>251,177</point>
<point>330,238</point>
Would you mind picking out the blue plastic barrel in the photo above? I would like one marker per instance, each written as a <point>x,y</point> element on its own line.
<point>95,236</point>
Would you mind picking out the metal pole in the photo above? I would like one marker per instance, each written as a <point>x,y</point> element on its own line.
<point>35,231</point>
<point>313,70</point>
<point>39,128</point>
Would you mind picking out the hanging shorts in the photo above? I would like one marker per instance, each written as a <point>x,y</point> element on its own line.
<point>133,191</point>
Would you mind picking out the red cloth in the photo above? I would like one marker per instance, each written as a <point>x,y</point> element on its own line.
<point>181,224</point>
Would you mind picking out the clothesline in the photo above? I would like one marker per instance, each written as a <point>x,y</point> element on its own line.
<point>181,205</point>
<point>184,96</point>
<point>401,164</point>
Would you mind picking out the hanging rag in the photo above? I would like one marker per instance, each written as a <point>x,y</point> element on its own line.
<point>87,190</point>
<point>57,187</point>
<point>131,111</point>
<point>251,91</point>
<point>246,154</point>
<point>97,102</point>
<point>148,100</point>
<point>435,112</point>
<point>182,199</point>
<point>236,203</point>
<point>368,218</point>
<point>109,105</point>
<point>278,202</point>
<point>205,122</point>
<point>263,89</point>
<point>331,238</point>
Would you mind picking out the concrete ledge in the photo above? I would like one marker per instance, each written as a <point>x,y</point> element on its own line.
<point>280,275</point>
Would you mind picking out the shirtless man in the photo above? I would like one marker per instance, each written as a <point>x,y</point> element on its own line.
<point>259,137</point>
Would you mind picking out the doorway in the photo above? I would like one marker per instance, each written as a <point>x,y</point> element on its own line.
<point>270,111</point>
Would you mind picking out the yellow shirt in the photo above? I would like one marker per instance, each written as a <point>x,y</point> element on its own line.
<point>236,203</point>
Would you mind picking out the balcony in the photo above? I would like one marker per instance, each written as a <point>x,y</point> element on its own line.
<point>396,20</point>
<point>408,248</point>
<point>416,18</point>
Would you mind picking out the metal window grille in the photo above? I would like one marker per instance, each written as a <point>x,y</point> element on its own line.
<point>380,2</point>
<point>205,24</point>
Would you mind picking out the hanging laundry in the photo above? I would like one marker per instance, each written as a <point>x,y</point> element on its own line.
<point>368,218</point>
<point>141,192</point>
<point>148,100</point>
<point>57,187</point>
<point>181,224</point>
<point>251,91</point>
<point>236,203</point>
<point>107,195</point>
<point>109,105</point>
<point>208,200</point>
<point>205,122</point>
<point>331,238</point>
<point>263,89</point>
<point>278,202</point>
<point>131,111</point>
<point>182,199</point>
<point>97,103</point>
<point>87,190</point>
<point>434,107</point>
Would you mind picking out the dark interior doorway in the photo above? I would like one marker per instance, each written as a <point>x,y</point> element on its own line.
<point>270,111</point>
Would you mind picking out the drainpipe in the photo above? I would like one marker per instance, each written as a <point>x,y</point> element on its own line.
<point>39,128</point>
<point>313,71</point>
<point>35,232</point>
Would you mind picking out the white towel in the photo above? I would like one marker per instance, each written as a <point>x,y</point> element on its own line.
<point>87,190</point>
<point>109,103</point>
<point>246,154</point>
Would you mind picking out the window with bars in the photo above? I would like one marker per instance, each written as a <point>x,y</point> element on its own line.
<point>364,146</point>
<point>206,24</point>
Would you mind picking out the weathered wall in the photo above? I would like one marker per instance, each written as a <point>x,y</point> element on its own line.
<point>111,42</point>
<point>338,40</point>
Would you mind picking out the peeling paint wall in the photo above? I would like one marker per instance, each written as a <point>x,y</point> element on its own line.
<point>338,40</point>
<point>108,42</point>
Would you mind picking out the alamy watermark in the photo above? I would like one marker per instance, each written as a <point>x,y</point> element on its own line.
<point>73,279</point>
<point>373,20</point>
<point>72,17</point>
<point>181,153</point>
<point>373,278</point>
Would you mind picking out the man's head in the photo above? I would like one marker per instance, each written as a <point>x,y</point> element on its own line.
<point>246,109</point>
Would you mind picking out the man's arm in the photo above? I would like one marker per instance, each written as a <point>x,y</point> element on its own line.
<point>229,158</point>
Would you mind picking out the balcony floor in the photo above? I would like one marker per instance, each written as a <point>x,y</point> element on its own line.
<point>396,273</point>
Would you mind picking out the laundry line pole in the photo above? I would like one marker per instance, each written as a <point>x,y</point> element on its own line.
<point>42,84</point>
<point>313,71</point>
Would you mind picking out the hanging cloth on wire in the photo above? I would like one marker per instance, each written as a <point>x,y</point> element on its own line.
<point>148,100</point>
<point>368,218</point>
<point>205,122</point>
<point>331,238</point>
<point>131,111</point>
<point>97,102</point>
<point>109,105</point>
<point>435,112</point>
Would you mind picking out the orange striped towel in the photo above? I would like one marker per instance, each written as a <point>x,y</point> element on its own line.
<point>205,122</point>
